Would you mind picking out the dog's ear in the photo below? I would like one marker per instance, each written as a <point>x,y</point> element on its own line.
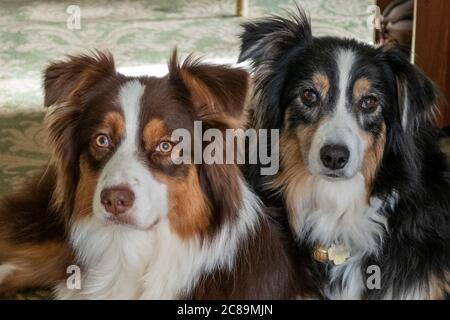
<point>72,78</point>
<point>213,90</point>
<point>267,39</point>
<point>67,86</point>
<point>264,43</point>
<point>217,95</point>
<point>417,95</point>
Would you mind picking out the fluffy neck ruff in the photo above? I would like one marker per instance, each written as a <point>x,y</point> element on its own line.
<point>324,212</point>
<point>123,263</point>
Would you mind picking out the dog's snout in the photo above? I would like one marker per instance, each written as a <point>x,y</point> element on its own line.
<point>117,200</point>
<point>334,157</point>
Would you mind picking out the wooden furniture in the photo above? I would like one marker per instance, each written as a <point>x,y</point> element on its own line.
<point>431,46</point>
<point>242,8</point>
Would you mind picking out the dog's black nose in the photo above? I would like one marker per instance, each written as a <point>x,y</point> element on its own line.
<point>117,200</point>
<point>334,156</point>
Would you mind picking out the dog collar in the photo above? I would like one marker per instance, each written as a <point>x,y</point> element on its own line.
<point>336,254</point>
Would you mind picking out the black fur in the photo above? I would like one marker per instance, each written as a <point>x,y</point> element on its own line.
<point>417,246</point>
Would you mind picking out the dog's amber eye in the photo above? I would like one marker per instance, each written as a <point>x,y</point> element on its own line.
<point>102,141</point>
<point>369,104</point>
<point>165,147</point>
<point>310,97</point>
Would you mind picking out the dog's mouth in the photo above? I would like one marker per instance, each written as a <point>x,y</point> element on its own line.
<point>153,225</point>
<point>334,175</point>
<point>114,220</point>
<point>129,222</point>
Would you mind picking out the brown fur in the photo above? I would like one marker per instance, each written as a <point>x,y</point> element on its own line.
<point>85,190</point>
<point>67,85</point>
<point>361,87</point>
<point>218,95</point>
<point>33,237</point>
<point>264,266</point>
<point>202,198</point>
<point>294,149</point>
<point>372,156</point>
<point>37,265</point>
<point>293,170</point>
<point>218,88</point>
<point>154,131</point>
<point>73,78</point>
<point>189,212</point>
<point>322,83</point>
<point>278,274</point>
<point>114,125</point>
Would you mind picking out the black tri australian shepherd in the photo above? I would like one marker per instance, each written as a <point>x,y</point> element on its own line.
<point>113,202</point>
<point>363,182</point>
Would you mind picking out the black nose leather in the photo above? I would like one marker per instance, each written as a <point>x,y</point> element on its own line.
<point>334,156</point>
<point>117,200</point>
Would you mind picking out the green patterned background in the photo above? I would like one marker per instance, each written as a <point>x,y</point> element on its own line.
<point>138,33</point>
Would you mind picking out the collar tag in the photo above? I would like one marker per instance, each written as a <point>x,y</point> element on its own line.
<point>338,254</point>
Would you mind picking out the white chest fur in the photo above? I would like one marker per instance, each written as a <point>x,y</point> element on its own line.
<point>324,213</point>
<point>124,263</point>
<point>112,259</point>
<point>179,264</point>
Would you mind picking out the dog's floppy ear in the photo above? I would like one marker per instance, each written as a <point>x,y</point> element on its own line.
<point>417,96</point>
<point>265,40</point>
<point>211,89</point>
<point>72,78</point>
<point>67,86</point>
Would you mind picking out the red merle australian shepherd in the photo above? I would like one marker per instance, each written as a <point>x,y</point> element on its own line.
<point>113,203</point>
<point>362,180</point>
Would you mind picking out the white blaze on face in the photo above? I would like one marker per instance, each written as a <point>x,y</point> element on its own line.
<point>341,127</point>
<point>125,168</point>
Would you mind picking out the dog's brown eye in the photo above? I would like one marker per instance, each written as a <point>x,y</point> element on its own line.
<point>102,141</point>
<point>369,104</point>
<point>310,97</point>
<point>165,147</point>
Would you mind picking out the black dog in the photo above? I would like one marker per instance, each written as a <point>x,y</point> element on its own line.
<point>362,179</point>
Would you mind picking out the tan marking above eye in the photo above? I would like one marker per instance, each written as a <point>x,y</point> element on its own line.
<point>322,83</point>
<point>107,135</point>
<point>361,87</point>
<point>154,131</point>
<point>113,126</point>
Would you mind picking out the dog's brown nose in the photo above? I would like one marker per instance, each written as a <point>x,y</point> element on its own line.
<point>117,200</point>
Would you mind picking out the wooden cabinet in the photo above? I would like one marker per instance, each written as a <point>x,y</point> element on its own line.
<point>431,46</point>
